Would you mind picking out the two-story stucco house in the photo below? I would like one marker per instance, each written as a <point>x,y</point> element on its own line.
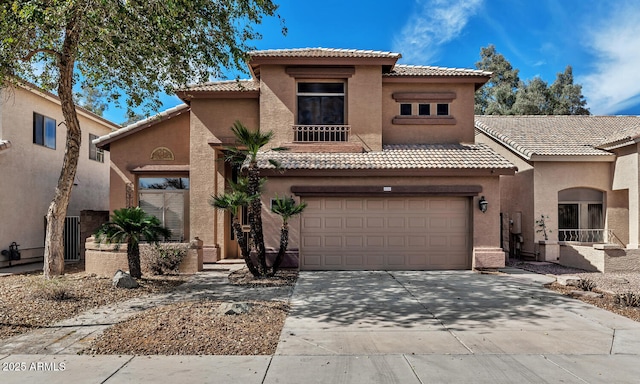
<point>383,154</point>
<point>32,144</point>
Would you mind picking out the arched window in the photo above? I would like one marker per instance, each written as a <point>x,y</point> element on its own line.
<point>580,215</point>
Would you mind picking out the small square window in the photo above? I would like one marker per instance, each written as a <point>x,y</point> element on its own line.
<point>424,109</point>
<point>443,109</point>
<point>405,109</point>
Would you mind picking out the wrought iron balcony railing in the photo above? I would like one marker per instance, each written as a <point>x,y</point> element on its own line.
<point>320,133</point>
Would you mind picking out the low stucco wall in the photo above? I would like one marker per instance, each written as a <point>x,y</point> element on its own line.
<point>488,258</point>
<point>608,260</point>
<point>106,259</point>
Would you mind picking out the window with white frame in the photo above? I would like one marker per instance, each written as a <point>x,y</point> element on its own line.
<point>44,131</point>
<point>165,199</point>
<point>95,153</point>
<point>581,215</point>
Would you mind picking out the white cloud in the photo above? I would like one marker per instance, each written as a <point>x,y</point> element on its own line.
<point>615,83</point>
<point>435,22</point>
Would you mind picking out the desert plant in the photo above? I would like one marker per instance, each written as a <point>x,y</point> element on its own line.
<point>245,157</point>
<point>628,299</point>
<point>286,207</point>
<point>541,224</point>
<point>54,289</point>
<point>166,258</point>
<point>586,284</point>
<point>132,225</point>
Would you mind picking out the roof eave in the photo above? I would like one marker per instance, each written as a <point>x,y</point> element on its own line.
<point>104,142</point>
<point>607,158</point>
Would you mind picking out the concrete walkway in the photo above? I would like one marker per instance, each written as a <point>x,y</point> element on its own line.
<point>391,327</point>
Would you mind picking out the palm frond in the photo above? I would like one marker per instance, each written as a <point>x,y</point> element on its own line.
<point>287,207</point>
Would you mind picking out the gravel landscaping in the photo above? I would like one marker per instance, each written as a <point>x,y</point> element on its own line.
<point>608,285</point>
<point>198,327</point>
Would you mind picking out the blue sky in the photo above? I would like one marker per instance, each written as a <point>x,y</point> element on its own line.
<point>599,39</point>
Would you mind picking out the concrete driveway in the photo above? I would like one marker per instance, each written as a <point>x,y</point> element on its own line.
<point>451,327</point>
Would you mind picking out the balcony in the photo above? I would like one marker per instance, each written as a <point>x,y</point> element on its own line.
<point>320,133</point>
<point>583,235</point>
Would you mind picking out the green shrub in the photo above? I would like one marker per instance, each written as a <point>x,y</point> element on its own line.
<point>165,258</point>
<point>628,299</point>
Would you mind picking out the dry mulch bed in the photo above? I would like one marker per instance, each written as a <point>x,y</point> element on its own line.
<point>194,328</point>
<point>28,301</point>
<point>607,301</point>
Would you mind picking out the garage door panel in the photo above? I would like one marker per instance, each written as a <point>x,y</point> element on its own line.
<point>311,222</point>
<point>354,222</point>
<point>385,233</point>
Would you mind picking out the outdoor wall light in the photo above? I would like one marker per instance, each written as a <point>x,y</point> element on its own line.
<point>483,204</point>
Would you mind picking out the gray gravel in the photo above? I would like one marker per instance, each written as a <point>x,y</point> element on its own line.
<point>608,282</point>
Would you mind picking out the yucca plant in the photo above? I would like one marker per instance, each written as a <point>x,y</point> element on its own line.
<point>286,207</point>
<point>132,225</point>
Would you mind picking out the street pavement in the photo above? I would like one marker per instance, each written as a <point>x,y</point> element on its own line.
<point>383,327</point>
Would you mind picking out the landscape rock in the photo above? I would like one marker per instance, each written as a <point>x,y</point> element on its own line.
<point>124,280</point>
<point>567,280</point>
<point>234,308</point>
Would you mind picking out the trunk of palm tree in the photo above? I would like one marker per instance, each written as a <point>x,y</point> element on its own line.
<point>255,218</point>
<point>284,243</point>
<point>244,248</point>
<point>53,245</point>
<point>133,257</point>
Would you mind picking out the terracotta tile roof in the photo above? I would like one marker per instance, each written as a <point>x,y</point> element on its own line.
<point>324,52</point>
<point>103,141</point>
<point>446,156</point>
<point>529,136</point>
<point>4,144</point>
<point>223,86</point>
<point>423,70</point>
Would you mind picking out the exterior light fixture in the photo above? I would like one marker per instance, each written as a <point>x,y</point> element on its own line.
<point>483,204</point>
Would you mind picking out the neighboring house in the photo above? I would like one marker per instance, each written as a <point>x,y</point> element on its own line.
<point>32,145</point>
<point>578,172</point>
<point>383,154</point>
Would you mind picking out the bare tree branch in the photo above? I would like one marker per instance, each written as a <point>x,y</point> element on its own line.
<point>45,50</point>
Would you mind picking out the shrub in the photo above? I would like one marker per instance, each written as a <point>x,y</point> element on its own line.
<point>164,258</point>
<point>628,299</point>
<point>54,289</point>
<point>586,284</point>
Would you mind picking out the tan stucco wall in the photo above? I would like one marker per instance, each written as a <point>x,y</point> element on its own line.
<point>551,177</point>
<point>516,195</point>
<point>211,119</point>
<point>626,177</point>
<point>278,104</point>
<point>485,226</point>
<point>461,109</point>
<point>135,151</point>
<point>30,172</point>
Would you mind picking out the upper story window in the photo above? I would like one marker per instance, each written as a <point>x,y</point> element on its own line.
<point>44,131</point>
<point>321,103</point>
<point>95,153</point>
<point>423,108</point>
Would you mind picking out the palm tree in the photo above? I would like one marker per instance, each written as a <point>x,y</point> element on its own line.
<point>286,207</point>
<point>249,144</point>
<point>131,225</point>
<point>231,202</point>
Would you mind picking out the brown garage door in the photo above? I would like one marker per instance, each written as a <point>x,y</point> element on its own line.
<point>415,233</point>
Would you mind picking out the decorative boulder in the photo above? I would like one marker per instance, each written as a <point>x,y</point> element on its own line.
<point>233,308</point>
<point>124,280</point>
